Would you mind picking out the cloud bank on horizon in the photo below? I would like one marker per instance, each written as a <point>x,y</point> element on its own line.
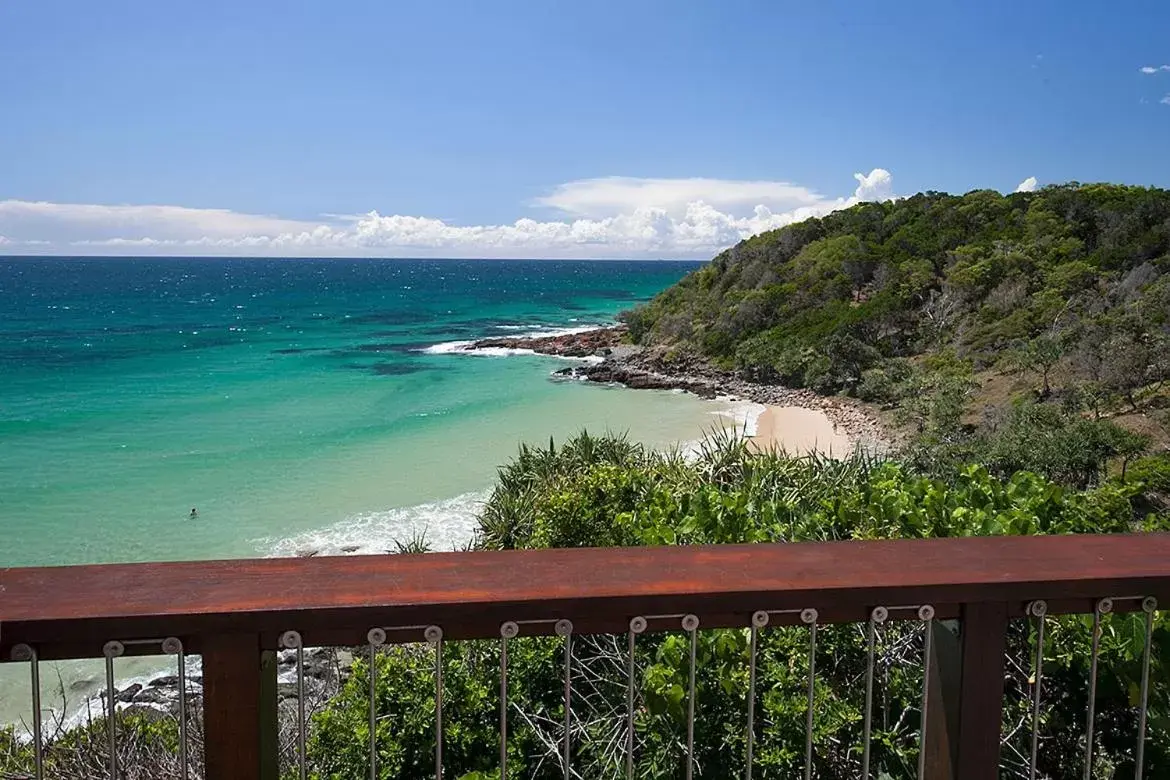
<point>603,217</point>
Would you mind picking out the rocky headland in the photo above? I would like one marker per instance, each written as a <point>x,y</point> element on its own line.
<point>641,368</point>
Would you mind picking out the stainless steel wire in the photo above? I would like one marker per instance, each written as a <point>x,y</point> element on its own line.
<point>112,650</point>
<point>809,618</point>
<point>876,617</point>
<point>291,640</point>
<point>926,615</point>
<point>508,630</point>
<point>376,637</point>
<point>23,652</point>
<point>1149,606</point>
<point>759,620</point>
<point>1037,609</point>
<point>637,626</point>
<point>434,635</point>
<point>1102,607</point>
<point>690,623</point>
<point>174,646</point>
<point>565,628</point>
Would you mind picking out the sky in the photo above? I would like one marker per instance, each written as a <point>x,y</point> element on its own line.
<point>548,128</point>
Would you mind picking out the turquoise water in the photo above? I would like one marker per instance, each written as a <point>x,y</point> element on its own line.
<point>298,404</point>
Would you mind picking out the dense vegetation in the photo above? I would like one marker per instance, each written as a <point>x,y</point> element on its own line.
<point>609,491</point>
<point>938,305</point>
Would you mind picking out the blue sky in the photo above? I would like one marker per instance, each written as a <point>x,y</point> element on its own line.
<point>470,128</point>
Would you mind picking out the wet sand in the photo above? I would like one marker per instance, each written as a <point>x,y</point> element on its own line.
<point>799,430</point>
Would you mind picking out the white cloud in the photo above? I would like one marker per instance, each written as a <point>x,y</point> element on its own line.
<point>613,195</point>
<point>4,241</point>
<point>161,222</point>
<point>1149,69</point>
<point>1165,100</point>
<point>1027,185</point>
<point>608,217</point>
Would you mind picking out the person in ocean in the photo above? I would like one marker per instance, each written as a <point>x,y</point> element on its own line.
<point>194,513</point>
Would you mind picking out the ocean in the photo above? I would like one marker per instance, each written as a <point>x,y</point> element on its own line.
<point>297,404</point>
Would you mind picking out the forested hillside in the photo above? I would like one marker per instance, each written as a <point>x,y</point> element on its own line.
<point>942,305</point>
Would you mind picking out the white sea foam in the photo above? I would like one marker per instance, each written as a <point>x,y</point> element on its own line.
<point>553,330</point>
<point>745,414</point>
<point>469,348</point>
<point>447,348</point>
<point>447,525</point>
<point>741,416</point>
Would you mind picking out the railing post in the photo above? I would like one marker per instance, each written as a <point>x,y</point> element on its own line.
<point>239,708</point>
<point>966,695</point>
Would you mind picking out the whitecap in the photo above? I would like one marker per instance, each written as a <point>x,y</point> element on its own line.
<point>448,524</point>
<point>553,330</point>
<point>469,348</point>
<point>447,347</point>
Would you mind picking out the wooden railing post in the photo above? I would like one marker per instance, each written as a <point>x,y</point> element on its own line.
<point>239,708</point>
<point>966,695</point>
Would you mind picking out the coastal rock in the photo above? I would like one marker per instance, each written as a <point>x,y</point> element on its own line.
<point>128,693</point>
<point>154,695</point>
<point>590,343</point>
<point>659,369</point>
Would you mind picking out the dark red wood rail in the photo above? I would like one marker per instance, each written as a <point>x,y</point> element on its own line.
<point>234,611</point>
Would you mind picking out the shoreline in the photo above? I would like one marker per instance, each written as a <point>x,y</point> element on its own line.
<point>613,362</point>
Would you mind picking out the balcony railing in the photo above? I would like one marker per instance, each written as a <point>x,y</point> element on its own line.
<point>238,614</point>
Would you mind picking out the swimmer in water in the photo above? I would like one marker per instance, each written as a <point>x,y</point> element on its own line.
<point>194,513</point>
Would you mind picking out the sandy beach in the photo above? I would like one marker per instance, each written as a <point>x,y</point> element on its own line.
<point>800,430</point>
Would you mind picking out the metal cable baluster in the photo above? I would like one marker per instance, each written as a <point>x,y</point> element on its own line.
<point>112,650</point>
<point>691,623</point>
<point>809,618</point>
<point>877,616</point>
<point>434,635</point>
<point>24,652</point>
<point>376,638</point>
<point>926,615</point>
<point>637,626</point>
<point>1103,607</point>
<point>174,646</point>
<point>291,640</point>
<point>1037,609</point>
<point>759,620</point>
<point>508,630</point>
<point>1149,606</point>
<point>565,628</point>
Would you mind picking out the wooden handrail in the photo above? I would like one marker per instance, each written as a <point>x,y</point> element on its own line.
<point>70,611</point>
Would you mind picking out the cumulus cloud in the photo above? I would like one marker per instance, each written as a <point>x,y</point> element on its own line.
<point>1150,69</point>
<point>1165,101</point>
<point>161,222</point>
<point>606,217</point>
<point>1027,185</point>
<point>613,195</point>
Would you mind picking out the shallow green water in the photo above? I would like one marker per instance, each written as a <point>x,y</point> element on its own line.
<point>298,404</point>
